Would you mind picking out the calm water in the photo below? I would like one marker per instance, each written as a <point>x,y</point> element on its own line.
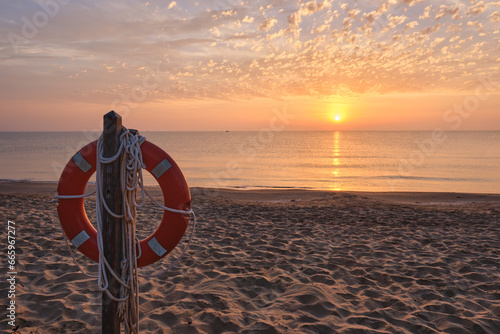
<point>366,161</point>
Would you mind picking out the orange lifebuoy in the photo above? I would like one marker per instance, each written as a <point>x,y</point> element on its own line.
<point>176,195</point>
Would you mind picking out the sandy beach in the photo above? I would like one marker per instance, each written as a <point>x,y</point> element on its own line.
<point>280,261</point>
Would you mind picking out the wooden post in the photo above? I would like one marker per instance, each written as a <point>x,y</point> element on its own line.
<point>112,227</point>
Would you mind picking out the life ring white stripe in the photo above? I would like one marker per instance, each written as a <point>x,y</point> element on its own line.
<point>161,168</point>
<point>81,162</point>
<point>156,247</point>
<point>80,238</point>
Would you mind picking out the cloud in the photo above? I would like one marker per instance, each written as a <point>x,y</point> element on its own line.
<point>267,24</point>
<point>412,2</point>
<point>230,12</point>
<point>476,24</point>
<point>172,5</point>
<point>306,9</point>
<point>207,51</point>
<point>476,9</point>
<point>494,17</point>
<point>426,13</point>
<point>410,25</point>
<point>294,20</point>
<point>248,19</point>
<point>313,7</point>
<point>371,16</point>
<point>448,10</point>
<point>431,29</point>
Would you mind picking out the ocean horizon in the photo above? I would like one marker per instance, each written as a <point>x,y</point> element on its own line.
<point>426,161</point>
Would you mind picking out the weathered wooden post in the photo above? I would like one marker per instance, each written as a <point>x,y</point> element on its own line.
<point>111,226</point>
<point>109,240</point>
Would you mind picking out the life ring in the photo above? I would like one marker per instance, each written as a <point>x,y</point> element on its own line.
<point>176,195</point>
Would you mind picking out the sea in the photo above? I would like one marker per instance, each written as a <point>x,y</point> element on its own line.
<point>426,161</point>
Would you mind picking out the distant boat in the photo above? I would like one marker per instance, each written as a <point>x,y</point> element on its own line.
<point>227,130</point>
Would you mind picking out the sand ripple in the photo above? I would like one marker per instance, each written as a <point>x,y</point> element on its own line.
<point>335,264</point>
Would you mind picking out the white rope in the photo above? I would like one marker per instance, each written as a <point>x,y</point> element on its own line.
<point>73,255</point>
<point>131,179</point>
<point>191,234</point>
<point>74,196</point>
<point>130,172</point>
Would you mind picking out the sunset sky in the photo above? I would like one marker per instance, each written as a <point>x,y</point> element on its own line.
<point>217,65</point>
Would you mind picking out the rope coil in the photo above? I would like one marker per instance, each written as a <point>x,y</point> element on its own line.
<point>131,180</point>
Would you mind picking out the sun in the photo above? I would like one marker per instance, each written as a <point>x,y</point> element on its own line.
<point>337,112</point>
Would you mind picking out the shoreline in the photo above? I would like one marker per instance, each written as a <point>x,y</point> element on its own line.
<point>282,195</point>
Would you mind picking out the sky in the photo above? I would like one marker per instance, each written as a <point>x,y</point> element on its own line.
<point>235,65</point>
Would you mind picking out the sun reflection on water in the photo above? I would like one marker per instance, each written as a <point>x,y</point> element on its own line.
<point>336,185</point>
